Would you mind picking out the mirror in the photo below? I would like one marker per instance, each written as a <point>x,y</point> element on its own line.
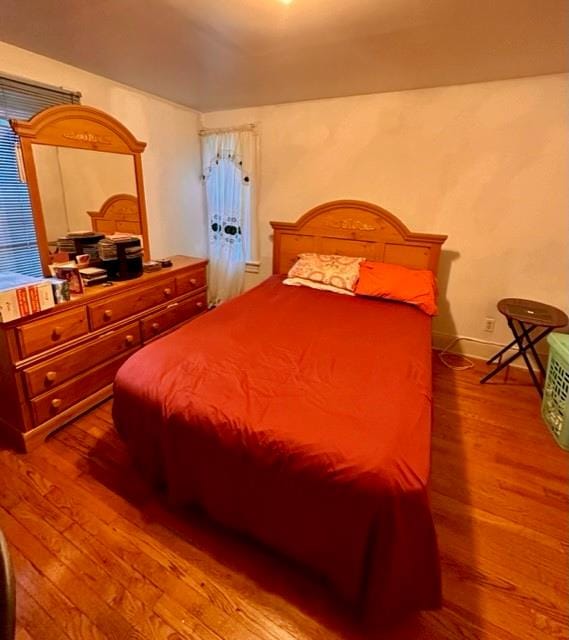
<point>75,186</point>
<point>84,173</point>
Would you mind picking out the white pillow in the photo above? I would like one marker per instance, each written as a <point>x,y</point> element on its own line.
<point>301,282</point>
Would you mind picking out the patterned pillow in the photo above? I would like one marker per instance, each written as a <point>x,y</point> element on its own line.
<point>341,272</point>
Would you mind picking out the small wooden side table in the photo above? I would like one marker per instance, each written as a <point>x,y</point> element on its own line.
<point>529,322</point>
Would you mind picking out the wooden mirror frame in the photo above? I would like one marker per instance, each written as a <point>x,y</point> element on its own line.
<point>77,127</point>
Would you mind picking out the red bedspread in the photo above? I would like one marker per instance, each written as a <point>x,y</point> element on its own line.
<point>302,418</point>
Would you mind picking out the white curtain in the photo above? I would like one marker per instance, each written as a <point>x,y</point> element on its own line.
<point>228,160</point>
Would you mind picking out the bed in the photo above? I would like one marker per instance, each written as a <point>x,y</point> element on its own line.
<point>302,418</point>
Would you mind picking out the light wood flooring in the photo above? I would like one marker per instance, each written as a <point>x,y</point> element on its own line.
<point>98,555</point>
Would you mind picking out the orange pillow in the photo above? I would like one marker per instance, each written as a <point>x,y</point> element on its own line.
<point>392,281</point>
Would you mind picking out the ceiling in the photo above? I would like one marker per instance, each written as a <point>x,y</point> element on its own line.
<point>221,54</point>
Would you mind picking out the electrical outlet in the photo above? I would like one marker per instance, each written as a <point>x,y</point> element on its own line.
<point>489,324</point>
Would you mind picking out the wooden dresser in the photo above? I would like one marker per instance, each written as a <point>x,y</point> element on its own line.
<point>59,363</point>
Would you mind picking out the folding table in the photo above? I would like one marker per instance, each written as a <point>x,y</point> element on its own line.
<point>529,322</point>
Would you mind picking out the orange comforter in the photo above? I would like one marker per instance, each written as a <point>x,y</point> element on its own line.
<point>302,418</point>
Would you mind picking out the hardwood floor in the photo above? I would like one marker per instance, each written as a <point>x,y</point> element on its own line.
<point>98,555</point>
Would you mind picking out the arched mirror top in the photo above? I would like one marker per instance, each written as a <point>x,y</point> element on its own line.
<point>79,127</point>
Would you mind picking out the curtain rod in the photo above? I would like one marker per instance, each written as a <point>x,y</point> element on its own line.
<point>251,126</point>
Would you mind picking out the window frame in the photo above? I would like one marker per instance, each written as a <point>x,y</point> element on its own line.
<point>21,99</point>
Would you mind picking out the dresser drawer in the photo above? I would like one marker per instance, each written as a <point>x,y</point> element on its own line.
<point>48,333</point>
<point>192,281</point>
<point>56,371</point>
<point>122,306</point>
<point>54,402</point>
<point>174,314</point>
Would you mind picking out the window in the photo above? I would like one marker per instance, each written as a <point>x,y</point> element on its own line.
<point>18,244</point>
<point>229,174</point>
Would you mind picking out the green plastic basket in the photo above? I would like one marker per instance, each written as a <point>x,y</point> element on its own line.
<point>555,404</point>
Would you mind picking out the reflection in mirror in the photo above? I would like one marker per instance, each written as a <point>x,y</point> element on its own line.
<point>76,186</point>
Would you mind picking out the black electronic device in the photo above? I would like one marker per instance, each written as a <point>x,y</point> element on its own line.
<point>121,257</point>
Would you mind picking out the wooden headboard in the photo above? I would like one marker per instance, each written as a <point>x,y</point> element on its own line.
<point>354,228</point>
<point>119,213</point>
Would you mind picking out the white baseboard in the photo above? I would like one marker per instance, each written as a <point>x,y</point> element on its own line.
<point>480,349</point>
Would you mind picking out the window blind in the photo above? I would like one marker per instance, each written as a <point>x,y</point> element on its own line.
<point>20,99</point>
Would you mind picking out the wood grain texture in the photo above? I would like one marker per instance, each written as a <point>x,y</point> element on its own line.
<point>98,554</point>
<point>46,333</point>
<point>118,214</point>
<point>54,371</point>
<point>106,312</point>
<point>354,228</point>
<point>79,127</point>
<point>50,362</point>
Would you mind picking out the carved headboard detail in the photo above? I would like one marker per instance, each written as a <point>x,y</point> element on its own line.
<point>354,228</point>
<point>119,213</point>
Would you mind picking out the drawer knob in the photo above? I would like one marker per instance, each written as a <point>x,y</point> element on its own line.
<point>193,282</point>
<point>56,333</point>
<point>107,314</point>
<point>129,339</point>
<point>50,376</point>
<point>155,327</point>
<point>199,304</point>
<point>167,292</point>
<point>56,403</point>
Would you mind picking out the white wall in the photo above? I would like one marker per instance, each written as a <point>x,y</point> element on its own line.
<point>171,161</point>
<point>485,163</point>
<point>50,184</point>
<point>74,182</point>
<point>89,178</point>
